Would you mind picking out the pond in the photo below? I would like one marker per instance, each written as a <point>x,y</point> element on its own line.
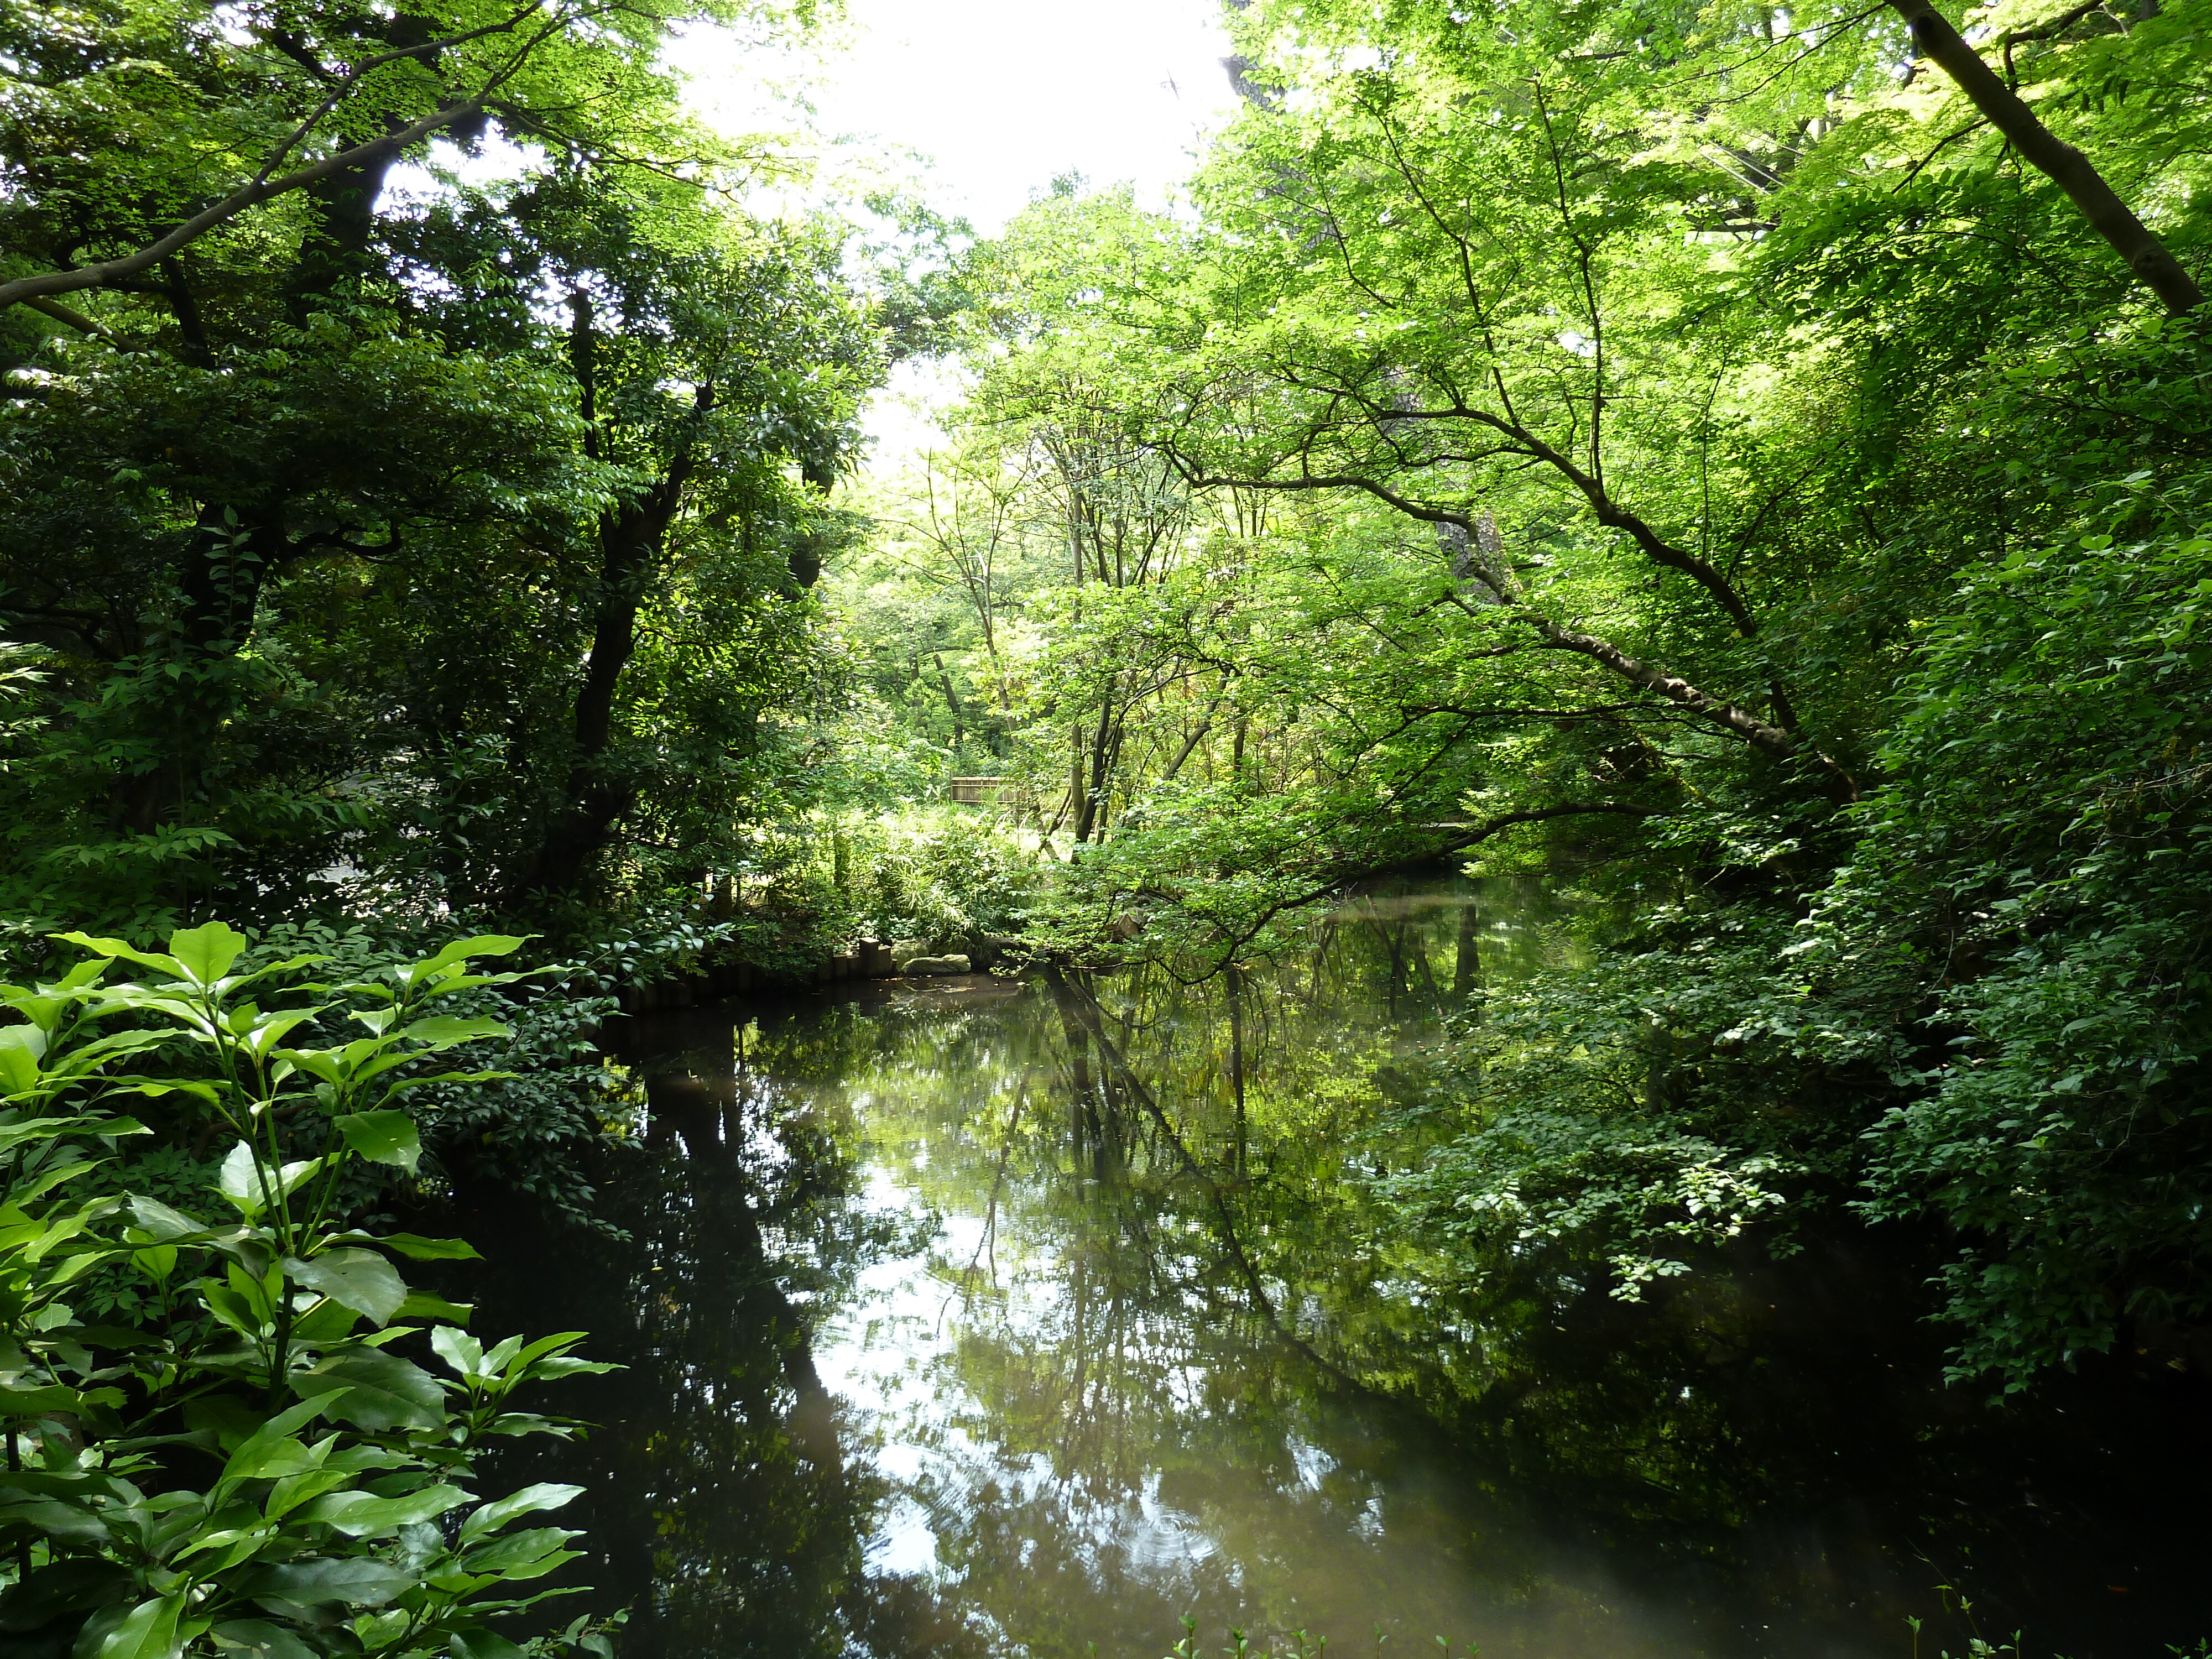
<point>992,1316</point>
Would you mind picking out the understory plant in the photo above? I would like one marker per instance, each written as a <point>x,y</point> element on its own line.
<point>277,1459</point>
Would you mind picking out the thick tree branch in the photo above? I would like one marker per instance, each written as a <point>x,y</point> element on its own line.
<point>75,320</point>
<point>2108,215</point>
<point>1768,739</point>
<point>1603,507</point>
<point>343,84</point>
<point>130,265</point>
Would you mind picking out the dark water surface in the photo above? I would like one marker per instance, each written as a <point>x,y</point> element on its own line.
<point>978,1317</point>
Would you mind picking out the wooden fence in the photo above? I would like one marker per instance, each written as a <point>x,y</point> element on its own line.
<point>980,792</point>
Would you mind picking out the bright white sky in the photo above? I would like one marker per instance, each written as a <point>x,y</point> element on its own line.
<point>1002,95</point>
<point>981,104</point>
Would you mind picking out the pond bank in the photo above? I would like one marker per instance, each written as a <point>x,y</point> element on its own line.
<point>871,960</point>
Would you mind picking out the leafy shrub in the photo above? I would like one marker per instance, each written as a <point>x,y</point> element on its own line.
<point>1996,1013</point>
<point>245,1470</point>
<point>1648,1108</point>
<point>949,881</point>
<point>2054,768</point>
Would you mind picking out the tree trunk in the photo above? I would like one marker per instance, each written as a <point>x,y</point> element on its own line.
<point>630,540</point>
<point>1467,966</point>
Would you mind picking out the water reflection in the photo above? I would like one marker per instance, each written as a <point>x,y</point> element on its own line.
<point>977,1318</point>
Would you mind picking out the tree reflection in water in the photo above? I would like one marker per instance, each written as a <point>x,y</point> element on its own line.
<point>973,1320</point>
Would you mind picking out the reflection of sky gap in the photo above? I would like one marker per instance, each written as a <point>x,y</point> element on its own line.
<point>1182,1476</point>
<point>887,1356</point>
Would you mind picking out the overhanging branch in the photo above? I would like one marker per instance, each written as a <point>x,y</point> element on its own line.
<point>262,187</point>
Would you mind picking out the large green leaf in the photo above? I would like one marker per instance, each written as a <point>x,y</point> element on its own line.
<point>359,1279</point>
<point>530,1500</point>
<point>445,1031</point>
<point>384,1137</point>
<point>461,950</point>
<point>271,1452</point>
<point>421,1304</point>
<point>458,1350</point>
<point>256,1638</point>
<point>58,1521</point>
<point>148,1632</point>
<point>519,1555</point>
<point>482,1644</point>
<point>352,1581</point>
<point>19,1404</point>
<point>205,953</point>
<point>159,1222</point>
<point>415,1246</point>
<point>12,1135</point>
<point>383,1391</point>
<point>245,1181</point>
<point>21,1048</point>
<point>363,1515</point>
<point>116,947</point>
<point>239,1178</point>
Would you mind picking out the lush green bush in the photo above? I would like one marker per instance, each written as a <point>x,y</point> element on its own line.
<point>949,879</point>
<point>278,1457</point>
<point>2046,853</point>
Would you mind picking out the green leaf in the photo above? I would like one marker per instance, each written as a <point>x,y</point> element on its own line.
<point>230,1420</point>
<point>21,1048</point>
<point>206,953</point>
<point>515,1555</point>
<point>148,1632</point>
<point>482,1644</point>
<point>383,1137</point>
<point>271,1451</point>
<point>421,1305</point>
<point>458,1350</point>
<point>461,950</point>
<point>353,1581</point>
<point>18,1404</point>
<point>238,1180</point>
<point>256,1638</point>
<point>116,947</point>
<point>359,1279</point>
<point>159,1220</point>
<point>328,1323</point>
<point>382,1390</point>
<point>315,1062</point>
<point>529,1501</point>
<point>363,1515</point>
<point>445,1031</point>
<point>241,1179</point>
<point>267,1031</point>
<point>38,1128</point>
<point>233,1309</point>
<point>293,1177</point>
<point>415,1246</point>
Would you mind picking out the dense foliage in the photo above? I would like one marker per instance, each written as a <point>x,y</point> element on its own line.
<point>167,1485</point>
<point>437,533</point>
<point>1691,451</point>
